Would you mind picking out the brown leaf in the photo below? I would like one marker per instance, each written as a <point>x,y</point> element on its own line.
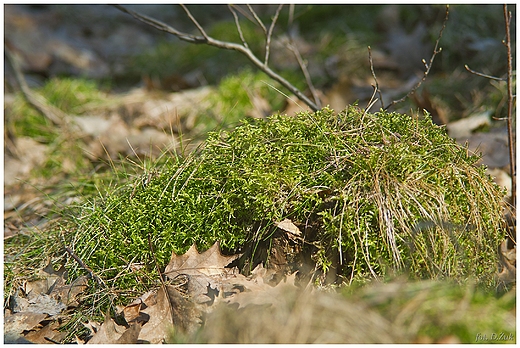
<point>288,226</point>
<point>49,333</point>
<point>203,270</point>
<point>131,334</point>
<point>108,333</point>
<point>68,294</point>
<point>23,321</point>
<point>131,312</point>
<point>185,316</point>
<point>260,293</point>
<point>49,279</point>
<point>38,304</point>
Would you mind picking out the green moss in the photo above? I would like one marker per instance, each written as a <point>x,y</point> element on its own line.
<point>64,153</point>
<point>71,95</point>
<point>388,192</point>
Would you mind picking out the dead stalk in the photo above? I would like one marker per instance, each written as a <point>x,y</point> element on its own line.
<point>376,87</point>
<point>82,264</point>
<point>208,40</point>
<point>429,65</point>
<point>512,164</point>
<point>510,101</point>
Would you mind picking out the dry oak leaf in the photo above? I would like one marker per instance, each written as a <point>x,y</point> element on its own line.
<point>170,312</point>
<point>112,333</point>
<point>288,226</point>
<point>47,334</point>
<point>259,293</point>
<point>15,324</point>
<point>207,269</point>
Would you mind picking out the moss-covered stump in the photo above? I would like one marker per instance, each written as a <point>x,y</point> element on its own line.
<point>372,195</point>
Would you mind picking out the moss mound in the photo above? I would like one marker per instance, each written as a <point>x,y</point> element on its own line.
<point>372,194</point>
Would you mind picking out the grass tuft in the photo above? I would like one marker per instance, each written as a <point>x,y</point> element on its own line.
<point>374,194</point>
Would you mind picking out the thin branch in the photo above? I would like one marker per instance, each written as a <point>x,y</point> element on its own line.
<point>291,15</point>
<point>270,33</point>
<point>52,113</point>
<point>237,24</point>
<point>201,29</point>
<point>223,45</point>
<point>429,65</point>
<point>512,163</point>
<point>258,20</point>
<point>303,67</point>
<point>483,75</point>
<point>162,26</point>
<point>371,102</point>
<point>244,13</point>
<point>374,76</point>
<point>85,267</point>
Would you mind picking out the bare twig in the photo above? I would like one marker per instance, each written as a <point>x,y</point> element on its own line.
<point>512,164</point>
<point>429,65</point>
<point>375,78</point>
<point>269,34</point>
<point>194,21</point>
<point>206,39</point>
<point>85,267</point>
<point>371,102</point>
<point>303,67</point>
<point>52,113</point>
<point>291,14</point>
<point>483,75</point>
<point>510,100</point>
<point>244,13</point>
<point>239,28</point>
<point>258,20</point>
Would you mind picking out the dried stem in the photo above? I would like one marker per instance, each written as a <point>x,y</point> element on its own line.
<point>375,78</point>
<point>429,65</point>
<point>303,67</point>
<point>483,75</point>
<point>269,35</point>
<point>510,101</point>
<point>512,163</point>
<point>85,267</point>
<point>258,20</point>
<point>201,29</point>
<point>237,24</point>
<point>53,114</point>
<point>208,40</point>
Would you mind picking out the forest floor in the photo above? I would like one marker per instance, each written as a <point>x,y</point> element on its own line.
<point>117,95</point>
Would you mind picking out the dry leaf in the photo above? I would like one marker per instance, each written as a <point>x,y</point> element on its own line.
<point>131,334</point>
<point>49,279</point>
<point>38,304</point>
<point>49,333</point>
<point>259,293</point>
<point>131,312</point>
<point>185,316</point>
<point>205,271</point>
<point>108,333</point>
<point>507,258</point>
<point>68,294</point>
<point>23,321</point>
<point>288,226</point>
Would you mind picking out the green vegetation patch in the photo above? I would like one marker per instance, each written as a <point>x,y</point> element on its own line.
<point>440,309</point>
<point>372,194</point>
